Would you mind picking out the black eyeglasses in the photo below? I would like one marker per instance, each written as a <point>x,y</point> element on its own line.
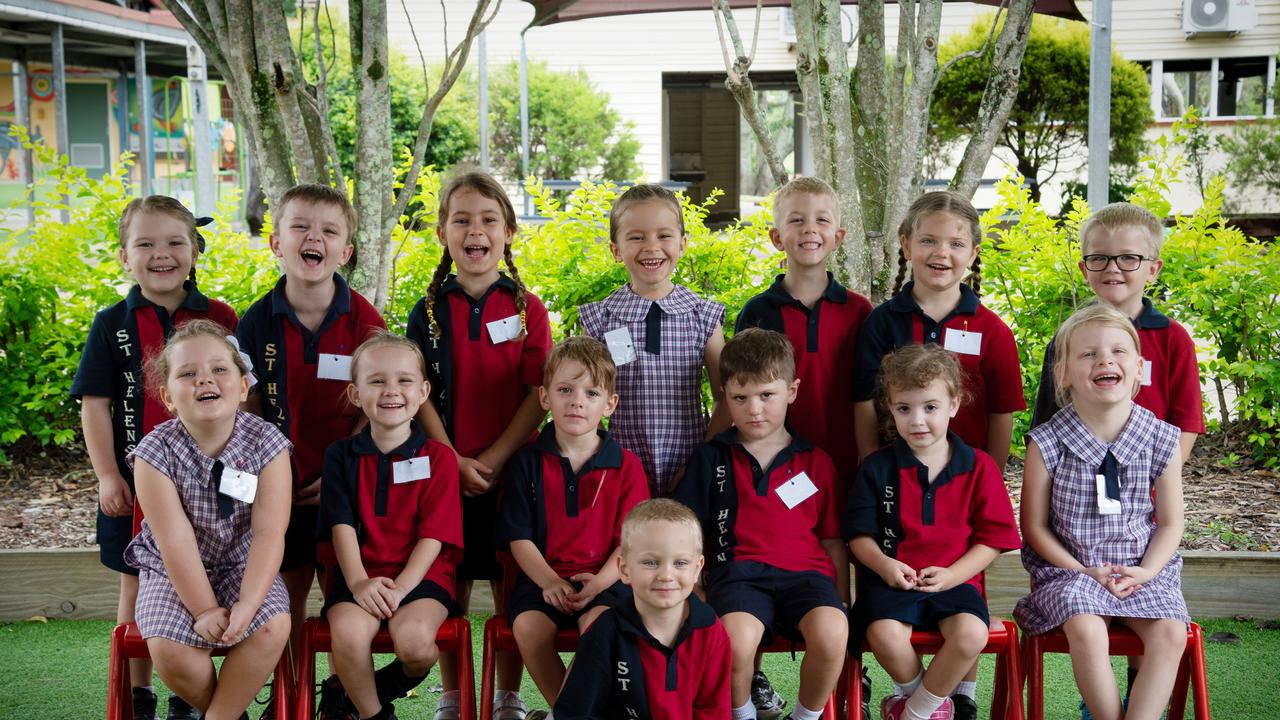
<point>1124,263</point>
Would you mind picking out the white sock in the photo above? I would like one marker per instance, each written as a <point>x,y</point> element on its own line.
<point>746,712</point>
<point>501,694</point>
<point>803,713</point>
<point>921,704</point>
<point>967,689</point>
<point>910,686</point>
<point>450,698</point>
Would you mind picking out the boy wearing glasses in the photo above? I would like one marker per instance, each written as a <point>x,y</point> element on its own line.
<point>1121,248</point>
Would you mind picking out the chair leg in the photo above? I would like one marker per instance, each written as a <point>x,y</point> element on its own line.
<point>1034,659</point>
<point>304,695</point>
<point>488,667</point>
<point>1199,674</point>
<point>841,693</point>
<point>854,691</point>
<point>1013,674</point>
<point>466,672</point>
<point>999,691</point>
<point>119,694</point>
<point>285,691</point>
<point>1181,682</point>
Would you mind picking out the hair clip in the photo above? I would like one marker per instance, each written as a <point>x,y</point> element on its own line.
<point>201,222</point>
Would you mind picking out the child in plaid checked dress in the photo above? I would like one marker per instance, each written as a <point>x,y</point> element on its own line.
<point>1093,546</point>
<point>660,336</point>
<point>215,486</point>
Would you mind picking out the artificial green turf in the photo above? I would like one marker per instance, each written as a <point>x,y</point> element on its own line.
<point>58,671</point>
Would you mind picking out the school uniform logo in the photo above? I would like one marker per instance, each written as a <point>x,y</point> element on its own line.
<point>132,396</point>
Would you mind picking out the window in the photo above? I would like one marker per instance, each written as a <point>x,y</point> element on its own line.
<point>1242,86</point>
<point>1185,83</point>
<point>1217,87</point>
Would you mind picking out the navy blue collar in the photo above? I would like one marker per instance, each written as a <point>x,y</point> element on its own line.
<point>195,300</point>
<point>363,442</point>
<point>778,295</point>
<point>1150,318</point>
<point>700,616</point>
<point>451,284</point>
<point>608,456</point>
<point>903,302</point>
<point>341,298</point>
<point>797,445</point>
<point>962,457</point>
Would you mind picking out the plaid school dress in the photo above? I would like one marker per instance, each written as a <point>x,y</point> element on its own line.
<point>223,543</point>
<point>660,414</point>
<point>1073,455</point>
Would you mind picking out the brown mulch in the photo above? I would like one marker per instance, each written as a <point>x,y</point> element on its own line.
<point>49,501</point>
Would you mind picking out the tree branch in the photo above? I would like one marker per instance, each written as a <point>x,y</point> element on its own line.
<point>738,83</point>
<point>995,22</point>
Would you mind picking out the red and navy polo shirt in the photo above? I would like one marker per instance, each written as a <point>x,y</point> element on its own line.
<point>922,523</point>
<point>1173,395</point>
<point>575,519</point>
<point>470,364</point>
<point>745,519</point>
<point>622,672</point>
<point>824,338</point>
<point>992,376</point>
<point>360,489</point>
<point>121,338</point>
<point>311,411</point>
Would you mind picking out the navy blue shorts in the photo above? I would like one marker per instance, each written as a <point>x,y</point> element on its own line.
<point>479,548</point>
<point>778,598</point>
<point>426,590</point>
<point>921,610</point>
<point>528,596</point>
<point>114,534</point>
<point>300,537</point>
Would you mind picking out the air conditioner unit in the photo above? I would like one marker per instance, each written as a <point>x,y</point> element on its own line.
<point>1218,16</point>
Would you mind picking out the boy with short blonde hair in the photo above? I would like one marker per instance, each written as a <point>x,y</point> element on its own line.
<point>769,502</point>
<point>662,653</point>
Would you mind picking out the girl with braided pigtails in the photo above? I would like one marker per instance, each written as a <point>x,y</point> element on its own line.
<point>939,239</point>
<point>485,338</point>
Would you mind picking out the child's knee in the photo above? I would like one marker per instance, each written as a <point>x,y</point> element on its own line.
<point>532,625</point>
<point>825,630</point>
<point>885,635</point>
<point>1086,632</point>
<point>968,634</point>
<point>1166,637</point>
<point>417,651</point>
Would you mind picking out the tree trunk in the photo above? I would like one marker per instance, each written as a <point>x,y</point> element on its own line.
<point>373,171</point>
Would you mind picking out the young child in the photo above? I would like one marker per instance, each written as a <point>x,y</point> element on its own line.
<point>926,516</point>
<point>485,338</point>
<point>1094,550</point>
<point>818,315</point>
<point>562,509</point>
<point>299,338</point>
<point>215,487</point>
<point>159,247</point>
<point>767,501</point>
<point>660,336</point>
<point>821,319</point>
<point>390,504</point>
<point>1120,247</point>
<point>939,237</point>
<point>663,653</point>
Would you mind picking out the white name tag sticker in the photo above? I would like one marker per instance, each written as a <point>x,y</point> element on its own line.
<point>1146,372</point>
<point>620,346</point>
<point>963,342</point>
<point>503,330</point>
<point>796,490</point>
<point>1106,506</point>
<point>405,471</point>
<point>334,367</point>
<point>240,485</point>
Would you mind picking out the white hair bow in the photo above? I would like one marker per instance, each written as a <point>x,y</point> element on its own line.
<point>248,363</point>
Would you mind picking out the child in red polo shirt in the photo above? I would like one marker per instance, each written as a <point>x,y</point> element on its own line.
<point>299,338</point>
<point>926,516</point>
<point>939,238</point>
<point>563,507</point>
<point>768,504</point>
<point>662,653</point>
<point>391,506</point>
<point>821,319</point>
<point>1120,247</point>
<point>159,247</point>
<point>485,338</point>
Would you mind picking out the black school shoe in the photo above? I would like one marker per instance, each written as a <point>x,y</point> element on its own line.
<point>769,704</point>
<point>144,704</point>
<point>180,710</point>
<point>334,703</point>
<point>965,707</point>
<point>866,695</point>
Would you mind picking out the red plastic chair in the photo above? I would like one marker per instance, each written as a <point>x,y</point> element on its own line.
<point>127,644</point>
<point>498,636</point>
<point>1002,641</point>
<point>454,635</point>
<point>1191,672</point>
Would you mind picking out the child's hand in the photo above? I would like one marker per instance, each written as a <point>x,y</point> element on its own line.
<point>494,464</point>
<point>239,618</point>
<point>376,596</point>
<point>212,624</point>
<point>307,494</point>
<point>1101,573</point>
<point>898,575</point>
<point>114,497</point>
<point>1128,579</point>
<point>576,601</point>
<point>475,477</point>
<point>935,579</point>
<point>557,594</point>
